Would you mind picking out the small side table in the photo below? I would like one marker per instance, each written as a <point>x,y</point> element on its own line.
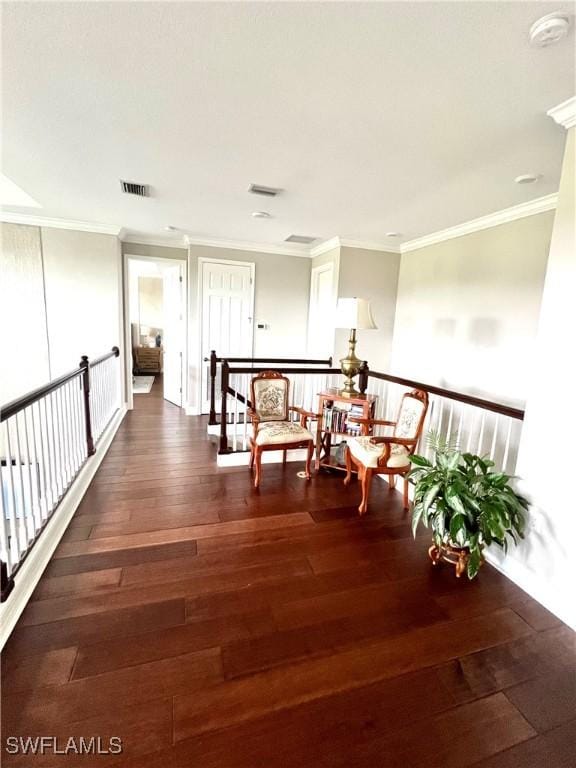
<point>333,412</point>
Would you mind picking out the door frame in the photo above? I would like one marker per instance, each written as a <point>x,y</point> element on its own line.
<point>202,260</point>
<point>183,261</point>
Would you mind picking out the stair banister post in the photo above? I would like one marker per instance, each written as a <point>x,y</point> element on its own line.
<point>213,369</point>
<point>85,365</point>
<point>225,383</point>
<point>363,377</point>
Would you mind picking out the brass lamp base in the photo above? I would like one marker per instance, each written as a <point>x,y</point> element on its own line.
<point>350,367</point>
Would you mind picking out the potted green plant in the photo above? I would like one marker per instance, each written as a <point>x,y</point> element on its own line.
<point>466,504</point>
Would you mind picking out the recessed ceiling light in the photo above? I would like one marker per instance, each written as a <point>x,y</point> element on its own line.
<point>170,228</point>
<point>392,234</point>
<point>527,178</point>
<point>261,215</point>
<point>549,29</point>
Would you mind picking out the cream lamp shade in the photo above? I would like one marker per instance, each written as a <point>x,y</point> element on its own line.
<point>354,313</point>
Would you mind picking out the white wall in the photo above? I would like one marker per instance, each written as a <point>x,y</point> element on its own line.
<point>151,301</point>
<point>62,295</point>
<point>26,363</point>
<point>468,308</point>
<point>82,273</point>
<point>282,287</point>
<point>370,275</point>
<point>544,563</point>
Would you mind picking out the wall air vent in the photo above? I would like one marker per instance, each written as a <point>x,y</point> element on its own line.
<point>260,189</point>
<point>304,239</point>
<point>132,188</point>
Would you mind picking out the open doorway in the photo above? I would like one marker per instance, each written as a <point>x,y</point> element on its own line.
<point>156,311</point>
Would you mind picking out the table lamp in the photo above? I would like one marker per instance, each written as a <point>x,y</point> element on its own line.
<point>355,314</point>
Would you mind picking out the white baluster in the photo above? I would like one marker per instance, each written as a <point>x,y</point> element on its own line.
<point>481,432</point>
<point>507,446</point>
<point>494,437</point>
<point>15,537</point>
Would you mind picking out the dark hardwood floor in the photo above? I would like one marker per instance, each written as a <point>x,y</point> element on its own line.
<point>207,624</point>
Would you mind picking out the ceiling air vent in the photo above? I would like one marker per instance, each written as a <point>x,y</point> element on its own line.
<point>132,188</point>
<point>260,189</point>
<point>305,239</point>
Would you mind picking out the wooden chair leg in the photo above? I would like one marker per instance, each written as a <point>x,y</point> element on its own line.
<point>391,482</point>
<point>251,457</point>
<point>348,467</point>
<point>406,501</point>
<point>309,460</point>
<point>258,465</point>
<point>284,456</point>
<point>366,483</point>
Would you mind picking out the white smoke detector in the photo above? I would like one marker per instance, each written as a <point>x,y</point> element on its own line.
<point>549,29</point>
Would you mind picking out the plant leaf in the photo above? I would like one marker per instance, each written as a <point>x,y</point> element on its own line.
<point>474,562</point>
<point>416,515</point>
<point>431,495</point>
<point>455,501</point>
<point>457,524</point>
<point>420,461</point>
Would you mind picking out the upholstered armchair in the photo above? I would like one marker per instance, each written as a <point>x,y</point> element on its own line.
<point>387,455</point>
<point>272,426</point>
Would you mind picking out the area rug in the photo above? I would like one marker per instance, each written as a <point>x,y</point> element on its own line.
<point>141,385</point>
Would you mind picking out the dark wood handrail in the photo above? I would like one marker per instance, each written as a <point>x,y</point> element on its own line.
<point>283,370</point>
<point>20,403</point>
<point>15,406</point>
<point>281,360</point>
<point>488,405</point>
<point>115,352</point>
<point>269,361</point>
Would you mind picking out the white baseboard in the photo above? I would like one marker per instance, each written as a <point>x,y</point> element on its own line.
<point>242,459</point>
<point>32,568</point>
<point>191,410</point>
<point>557,600</point>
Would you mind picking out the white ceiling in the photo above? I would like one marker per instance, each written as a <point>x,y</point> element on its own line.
<point>372,117</point>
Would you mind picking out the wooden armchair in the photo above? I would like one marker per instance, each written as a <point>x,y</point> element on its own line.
<point>272,428</point>
<point>388,455</point>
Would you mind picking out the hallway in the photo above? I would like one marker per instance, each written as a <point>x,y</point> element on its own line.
<point>206,624</point>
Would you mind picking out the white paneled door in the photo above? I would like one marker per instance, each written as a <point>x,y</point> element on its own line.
<point>227,314</point>
<point>174,332</point>
<point>321,311</point>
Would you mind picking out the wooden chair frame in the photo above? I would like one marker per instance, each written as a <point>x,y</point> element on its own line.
<point>256,451</point>
<point>365,474</point>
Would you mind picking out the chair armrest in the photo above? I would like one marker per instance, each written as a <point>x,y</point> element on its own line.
<point>388,442</point>
<point>304,415</point>
<point>303,412</point>
<point>408,442</point>
<point>377,422</point>
<point>253,416</point>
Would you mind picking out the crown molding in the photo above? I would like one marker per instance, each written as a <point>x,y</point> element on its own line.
<point>241,245</point>
<point>532,207</point>
<point>327,245</point>
<point>343,242</point>
<point>370,246</point>
<point>564,114</point>
<point>157,240</point>
<point>31,220</point>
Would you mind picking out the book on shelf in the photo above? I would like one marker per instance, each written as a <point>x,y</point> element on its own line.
<point>336,418</point>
